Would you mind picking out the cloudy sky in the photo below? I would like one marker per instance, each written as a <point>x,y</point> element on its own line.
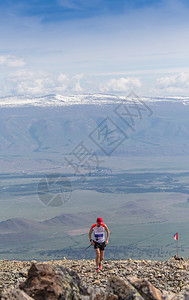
<point>83,46</point>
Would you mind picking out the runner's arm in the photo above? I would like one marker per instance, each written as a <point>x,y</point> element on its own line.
<point>108,234</point>
<point>90,232</point>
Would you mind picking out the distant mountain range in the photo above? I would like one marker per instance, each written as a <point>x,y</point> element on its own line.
<point>79,99</point>
<point>18,230</point>
<point>56,125</point>
<point>20,225</point>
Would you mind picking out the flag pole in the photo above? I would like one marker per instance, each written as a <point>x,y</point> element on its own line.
<point>177,247</point>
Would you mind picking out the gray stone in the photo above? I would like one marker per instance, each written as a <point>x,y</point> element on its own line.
<point>123,289</point>
<point>72,288</point>
<point>145,288</point>
<point>17,294</point>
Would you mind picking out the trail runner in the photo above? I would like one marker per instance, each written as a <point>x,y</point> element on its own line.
<point>99,240</point>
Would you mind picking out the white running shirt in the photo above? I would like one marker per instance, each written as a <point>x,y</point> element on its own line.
<point>99,233</point>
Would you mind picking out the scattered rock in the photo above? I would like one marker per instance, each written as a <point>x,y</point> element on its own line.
<point>78,279</point>
<point>184,295</point>
<point>178,258</point>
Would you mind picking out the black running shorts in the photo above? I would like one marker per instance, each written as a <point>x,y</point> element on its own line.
<point>101,246</point>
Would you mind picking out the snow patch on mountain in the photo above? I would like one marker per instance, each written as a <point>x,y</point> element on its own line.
<point>95,99</point>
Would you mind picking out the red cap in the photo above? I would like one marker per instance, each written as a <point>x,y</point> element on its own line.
<point>99,220</point>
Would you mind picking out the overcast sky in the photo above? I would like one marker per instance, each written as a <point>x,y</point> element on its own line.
<point>83,46</point>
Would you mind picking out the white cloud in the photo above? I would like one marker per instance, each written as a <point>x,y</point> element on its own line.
<point>11,61</point>
<point>41,83</point>
<point>121,85</point>
<point>174,84</point>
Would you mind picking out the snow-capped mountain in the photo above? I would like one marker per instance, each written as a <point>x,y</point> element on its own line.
<point>96,99</point>
<point>55,125</point>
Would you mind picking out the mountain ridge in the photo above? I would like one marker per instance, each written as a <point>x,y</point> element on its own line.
<point>17,224</point>
<point>151,128</point>
<point>80,99</point>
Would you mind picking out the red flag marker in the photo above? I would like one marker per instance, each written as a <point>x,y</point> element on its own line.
<point>176,238</point>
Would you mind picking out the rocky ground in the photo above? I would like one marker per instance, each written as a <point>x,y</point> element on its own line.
<point>171,275</point>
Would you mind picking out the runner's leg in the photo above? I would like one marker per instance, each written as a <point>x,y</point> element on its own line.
<point>97,250</point>
<point>101,255</point>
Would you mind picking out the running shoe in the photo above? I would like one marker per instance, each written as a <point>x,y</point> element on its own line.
<point>100,266</point>
<point>97,269</point>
